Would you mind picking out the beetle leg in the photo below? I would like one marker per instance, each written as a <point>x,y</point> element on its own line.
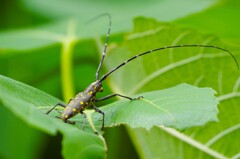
<point>101,112</point>
<point>70,122</point>
<point>84,122</point>
<point>67,121</point>
<point>58,104</point>
<point>114,95</point>
<point>59,112</point>
<point>70,100</point>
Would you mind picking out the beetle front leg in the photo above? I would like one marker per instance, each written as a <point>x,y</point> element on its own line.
<point>66,121</point>
<point>58,104</point>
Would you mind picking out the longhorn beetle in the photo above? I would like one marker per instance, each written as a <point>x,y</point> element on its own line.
<point>87,98</point>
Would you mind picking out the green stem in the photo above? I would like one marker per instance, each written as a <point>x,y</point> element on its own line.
<point>66,63</point>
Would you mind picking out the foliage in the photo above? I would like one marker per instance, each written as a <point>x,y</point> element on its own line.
<point>55,55</point>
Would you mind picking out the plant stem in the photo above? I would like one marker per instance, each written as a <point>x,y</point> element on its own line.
<point>66,62</point>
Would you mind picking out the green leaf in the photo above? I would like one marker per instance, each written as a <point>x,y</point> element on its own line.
<point>197,66</point>
<point>216,70</point>
<point>158,9</point>
<point>18,137</point>
<point>219,20</point>
<point>180,107</point>
<point>56,30</point>
<point>27,103</point>
<point>181,145</point>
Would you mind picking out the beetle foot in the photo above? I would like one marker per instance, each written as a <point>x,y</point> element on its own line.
<point>137,98</point>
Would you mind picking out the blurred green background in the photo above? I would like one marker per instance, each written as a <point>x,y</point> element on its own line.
<point>30,52</point>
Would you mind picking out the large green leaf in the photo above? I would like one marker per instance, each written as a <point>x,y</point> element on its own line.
<point>197,66</point>
<point>61,32</point>
<point>215,71</point>
<point>163,10</point>
<point>219,20</point>
<point>72,18</point>
<point>16,130</point>
<point>180,107</point>
<point>23,101</point>
<point>58,32</point>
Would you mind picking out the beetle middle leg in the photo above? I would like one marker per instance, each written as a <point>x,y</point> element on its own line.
<point>85,117</point>
<point>114,95</point>
<point>101,112</point>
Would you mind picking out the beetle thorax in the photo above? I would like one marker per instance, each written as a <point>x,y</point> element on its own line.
<point>94,87</point>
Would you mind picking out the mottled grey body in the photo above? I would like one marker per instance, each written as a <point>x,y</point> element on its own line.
<point>82,101</point>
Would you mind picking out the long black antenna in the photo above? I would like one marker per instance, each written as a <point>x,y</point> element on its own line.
<point>106,41</point>
<point>163,48</point>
